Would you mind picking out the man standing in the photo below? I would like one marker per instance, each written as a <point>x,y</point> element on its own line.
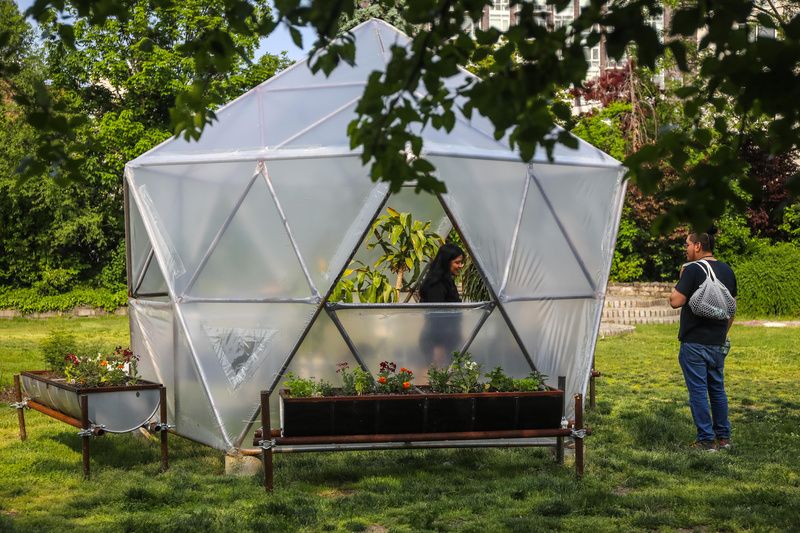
<point>704,345</point>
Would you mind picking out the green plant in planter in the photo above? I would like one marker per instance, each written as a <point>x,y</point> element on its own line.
<point>534,382</point>
<point>356,381</point>
<point>499,381</point>
<point>306,387</point>
<point>464,373</point>
<point>439,379</point>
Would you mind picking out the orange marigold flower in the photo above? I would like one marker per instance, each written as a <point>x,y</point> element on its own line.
<point>120,365</point>
<point>406,385</point>
<point>381,380</point>
<point>103,363</point>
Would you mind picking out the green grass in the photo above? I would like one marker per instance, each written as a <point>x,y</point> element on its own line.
<point>639,475</point>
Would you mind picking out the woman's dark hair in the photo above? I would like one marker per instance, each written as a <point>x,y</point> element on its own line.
<point>440,266</point>
<point>706,238</point>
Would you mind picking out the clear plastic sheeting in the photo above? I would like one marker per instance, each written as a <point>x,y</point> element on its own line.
<point>153,281</point>
<point>589,228</point>
<point>152,341</point>
<point>413,337</point>
<point>344,202</point>
<point>484,198</point>
<point>139,241</point>
<point>326,133</point>
<point>240,349</point>
<point>544,263</point>
<point>245,264</point>
<point>184,207</point>
<point>318,356</point>
<point>196,414</point>
<point>495,345</point>
<point>558,336</point>
<point>278,109</point>
<point>235,242</point>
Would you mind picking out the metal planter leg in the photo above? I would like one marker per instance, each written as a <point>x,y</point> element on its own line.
<point>20,405</point>
<point>578,433</point>
<point>266,441</point>
<point>85,434</point>
<point>164,431</point>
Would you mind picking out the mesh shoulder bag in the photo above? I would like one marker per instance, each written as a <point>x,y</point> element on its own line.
<point>712,298</point>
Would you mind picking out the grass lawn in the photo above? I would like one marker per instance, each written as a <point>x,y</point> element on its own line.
<point>639,474</point>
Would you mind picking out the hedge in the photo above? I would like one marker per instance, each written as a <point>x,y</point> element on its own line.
<point>769,283</point>
<point>28,301</point>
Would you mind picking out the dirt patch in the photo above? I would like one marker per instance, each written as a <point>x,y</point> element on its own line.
<point>336,493</point>
<point>375,528</point>
<point>770,323</point>
<point>7,395</point>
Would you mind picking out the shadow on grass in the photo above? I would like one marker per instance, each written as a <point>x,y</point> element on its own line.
<point>111,449</point>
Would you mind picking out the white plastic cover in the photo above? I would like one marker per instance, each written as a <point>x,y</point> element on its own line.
<point>494,346</point>
<point>251,226</point>
<point>240,349</point>
<point>152,341</point>
<point>331,193</point>
<point>184,207</point>
<point>558,335</point>
<point>484,198</point>
<point>139,241</point>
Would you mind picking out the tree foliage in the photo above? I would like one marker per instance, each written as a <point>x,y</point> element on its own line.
<point>114,86</point>
<point>757,78</point>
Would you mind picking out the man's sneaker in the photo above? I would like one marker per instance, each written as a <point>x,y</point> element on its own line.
<point>723,444</point>
<point>704,445</point>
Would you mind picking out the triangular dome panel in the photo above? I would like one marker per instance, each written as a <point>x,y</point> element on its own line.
<point>183,208</point>
<point>195,417</point>
<point>138,240</point>
<point>240,349</point>
<point>236,128</point>
<point>495,345</point>
<point>557,335</point>
<point>484,198</point>
<point>245,264</point>
<point>153,282</point>
<point>544,263</point>
<point>332,132</point>
<point>331,193</point>
<point>584,200</point>
<point>284,120</point>
<point>152,341</point>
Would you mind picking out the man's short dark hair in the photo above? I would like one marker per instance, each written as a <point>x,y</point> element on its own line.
<point>706,238</point>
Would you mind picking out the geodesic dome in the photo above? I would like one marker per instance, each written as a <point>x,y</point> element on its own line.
<point>235,242</point>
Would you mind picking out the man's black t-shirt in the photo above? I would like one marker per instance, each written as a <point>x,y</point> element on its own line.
<point>698,329</point>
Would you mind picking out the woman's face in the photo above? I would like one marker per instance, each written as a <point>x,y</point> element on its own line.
<point>456,265</point>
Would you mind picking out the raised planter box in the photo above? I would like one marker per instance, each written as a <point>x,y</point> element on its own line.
<point>93,410</point>
<point>114,409</point>
<point>422,413</point>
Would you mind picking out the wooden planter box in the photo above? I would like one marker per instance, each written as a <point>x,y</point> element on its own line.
<point>421,413</point>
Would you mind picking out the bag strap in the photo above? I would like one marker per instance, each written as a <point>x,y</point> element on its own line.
<point>705,267</point>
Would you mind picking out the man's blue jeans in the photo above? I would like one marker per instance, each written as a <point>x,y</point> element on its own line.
<point>703,366</point>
